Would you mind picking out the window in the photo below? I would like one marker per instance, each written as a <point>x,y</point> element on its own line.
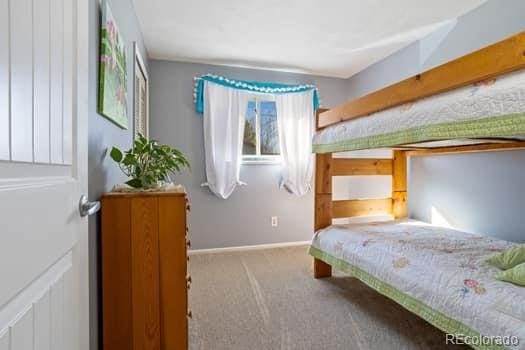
<point>261,135</point>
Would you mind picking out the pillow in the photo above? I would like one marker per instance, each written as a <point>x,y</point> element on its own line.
<point>515,275</point>
<point>508,259</point>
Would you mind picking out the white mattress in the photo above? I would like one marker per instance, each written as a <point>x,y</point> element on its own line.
<point>442,268</point>
<point>493,98</point>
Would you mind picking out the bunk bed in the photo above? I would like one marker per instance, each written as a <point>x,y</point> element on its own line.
<point>472,104</point>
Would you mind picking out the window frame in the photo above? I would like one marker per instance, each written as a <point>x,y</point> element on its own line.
<point>258,158</point>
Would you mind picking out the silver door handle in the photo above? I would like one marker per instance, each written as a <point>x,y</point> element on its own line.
<point>86,208</point>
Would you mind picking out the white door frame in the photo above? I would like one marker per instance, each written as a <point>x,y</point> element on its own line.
<point>82,107</point>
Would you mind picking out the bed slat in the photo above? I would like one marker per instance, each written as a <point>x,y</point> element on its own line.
<point>361,166</point>
<point>361,207</point>
<point>486,147</point>
<point>365,166</point>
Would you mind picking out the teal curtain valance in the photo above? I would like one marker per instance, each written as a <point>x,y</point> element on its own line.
<point>253,86</point>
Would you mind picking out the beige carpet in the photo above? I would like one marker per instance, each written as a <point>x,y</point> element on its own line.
<point>268,299</point>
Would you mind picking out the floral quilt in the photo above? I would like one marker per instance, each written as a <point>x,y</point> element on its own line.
<point>443,269</point>
<point>491,108</point>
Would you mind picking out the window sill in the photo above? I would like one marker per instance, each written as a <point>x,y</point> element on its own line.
<point>262,160</point>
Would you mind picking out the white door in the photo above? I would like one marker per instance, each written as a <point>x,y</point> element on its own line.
<point>43,161</point>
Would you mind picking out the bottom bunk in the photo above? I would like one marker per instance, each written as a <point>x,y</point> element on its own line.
<point>437,273</point>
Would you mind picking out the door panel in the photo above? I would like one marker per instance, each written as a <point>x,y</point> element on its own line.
<point>43,168</point>
<point>21,41</point>
<point>57,314</point>
<point>35,240</point>
<point>36,72</point>
<point>57,74</point>
<point>42,315</point>
<point>4,340</point>
<point>41,80</point>
<point>67,103</point>
<point>38,312</point>
<point>21,330</point>
<point>4,81</point>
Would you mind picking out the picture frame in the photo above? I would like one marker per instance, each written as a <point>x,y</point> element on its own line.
<point>140,95</point>
<point>113,79</point>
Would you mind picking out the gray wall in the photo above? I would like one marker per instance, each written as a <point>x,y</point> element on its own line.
<point>481,193</point>
<point>245,217</point>
<point>103,173</point>
<point>489,23</point>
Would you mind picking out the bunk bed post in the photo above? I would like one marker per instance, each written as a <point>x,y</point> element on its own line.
<point>322,205</point>
<point>399,184</point>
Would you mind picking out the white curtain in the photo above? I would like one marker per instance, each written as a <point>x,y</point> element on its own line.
<point>224,110</point>
<point>295,118</point>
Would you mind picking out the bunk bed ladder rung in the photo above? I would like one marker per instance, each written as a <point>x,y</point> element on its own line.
<point>361,207</point>
<point>361,166</point>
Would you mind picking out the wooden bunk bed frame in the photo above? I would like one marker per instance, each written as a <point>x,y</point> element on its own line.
<point>503,57</point>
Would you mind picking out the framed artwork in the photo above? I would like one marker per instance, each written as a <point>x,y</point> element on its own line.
<point>140,95</point>
<point>113,81</point>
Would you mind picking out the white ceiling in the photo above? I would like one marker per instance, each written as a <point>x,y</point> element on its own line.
<point>335,38</point>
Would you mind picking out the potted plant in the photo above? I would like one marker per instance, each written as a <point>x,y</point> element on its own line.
<point>148,163</point>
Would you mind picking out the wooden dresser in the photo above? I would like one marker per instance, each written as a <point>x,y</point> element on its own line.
<point>144,271</point>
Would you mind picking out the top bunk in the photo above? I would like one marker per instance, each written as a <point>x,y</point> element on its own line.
<point>475,101</point>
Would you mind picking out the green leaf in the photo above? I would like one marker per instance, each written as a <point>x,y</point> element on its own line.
<point>116,154</point>
<point>129,159</point>
<point>136,183</point>
<point>138,147</point>
<point>142,138</point>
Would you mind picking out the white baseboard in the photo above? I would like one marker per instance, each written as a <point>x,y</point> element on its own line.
<point>246,248</point>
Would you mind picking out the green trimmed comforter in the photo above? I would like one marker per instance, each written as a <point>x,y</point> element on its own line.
<point>439,274</point>
<point>488,109</point>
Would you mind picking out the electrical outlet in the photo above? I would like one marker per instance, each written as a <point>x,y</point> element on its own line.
<point>275,221</point>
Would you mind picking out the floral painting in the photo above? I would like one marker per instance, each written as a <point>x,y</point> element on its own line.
<point>112,97</point>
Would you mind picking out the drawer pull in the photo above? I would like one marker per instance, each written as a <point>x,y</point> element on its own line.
<point>190,315</point>
<point>188,243</point>
<point>188,278</point>
<point>188,285</point>
<point>188,207</point>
